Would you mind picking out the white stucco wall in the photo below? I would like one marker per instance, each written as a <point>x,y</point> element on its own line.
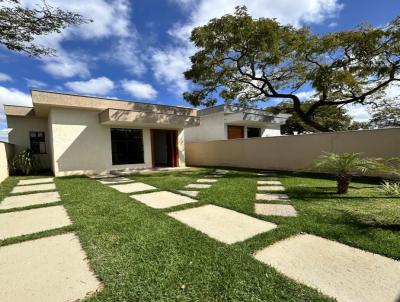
<point>3,162</point>
<point>215,127</point>
<point>19,135</point>
<point>82,145</point>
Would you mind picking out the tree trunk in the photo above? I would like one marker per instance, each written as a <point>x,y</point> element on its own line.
<point>343,182</point>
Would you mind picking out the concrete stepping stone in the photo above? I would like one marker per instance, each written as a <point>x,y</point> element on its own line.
<point>163,199</point>
<point>26,200</point>
<point>266,175</point>
<point>204,180</point>
<point>269,182</point>
<point>221,171</point>
<point>32,221</point>
<point>51,269</point>
<point>271,197</point>
<point>275,210</point>
<point>114,180</point>
<point>214,176</point>
<point>198,186</point>
<point>35,181</point>
<point>270,188</point>
<point>190,193</point>
<point>222,224</point>
<point>33,188</point>
<point>133,187</point>
<point>100,176</point>
<point>337,270</point>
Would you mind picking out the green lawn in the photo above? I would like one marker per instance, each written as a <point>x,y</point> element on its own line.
<point>141,254</point>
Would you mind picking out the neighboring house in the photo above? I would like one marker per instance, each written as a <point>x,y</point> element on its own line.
<point>75,134</point>
<point>230,122</point>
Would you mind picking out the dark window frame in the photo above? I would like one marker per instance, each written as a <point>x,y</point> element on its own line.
<point>252,129</point>
<point>127,146</point>
<point>36,140</point>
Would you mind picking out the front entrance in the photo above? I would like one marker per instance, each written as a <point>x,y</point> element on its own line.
<point>235,132</point>
<point>164,148</point>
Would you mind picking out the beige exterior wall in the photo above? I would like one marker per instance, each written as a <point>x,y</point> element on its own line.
<point>291,152</point>
<point>6,154</point>
<point>82,145</point>
<point>19,135</point>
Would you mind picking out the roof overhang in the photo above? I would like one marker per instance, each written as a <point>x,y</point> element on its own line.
<point>118,117</point>
<point>12,110</point>
<point>252,119</point>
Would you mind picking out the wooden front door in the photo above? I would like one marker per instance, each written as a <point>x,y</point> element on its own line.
<point>235,132</point>
<point>164,147</point>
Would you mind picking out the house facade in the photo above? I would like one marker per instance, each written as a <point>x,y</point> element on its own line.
<point>232,122</point>
<point>73,134</point>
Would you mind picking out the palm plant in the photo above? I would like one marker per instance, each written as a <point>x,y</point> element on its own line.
<point>345,166</point>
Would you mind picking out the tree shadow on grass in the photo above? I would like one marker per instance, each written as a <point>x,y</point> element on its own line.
<point>367,220</point>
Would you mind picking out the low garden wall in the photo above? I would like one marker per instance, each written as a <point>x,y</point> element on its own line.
<point>292,152</point>
<point>6,153</point>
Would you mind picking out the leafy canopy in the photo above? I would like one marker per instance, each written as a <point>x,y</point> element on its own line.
<point>244,60</point>
<point>19,26</point>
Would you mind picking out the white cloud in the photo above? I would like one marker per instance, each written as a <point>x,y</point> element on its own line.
<point>4,77</point>
<point>358,112</point>
<point>139,90</point>
<point>305,95</point>
<point>97,86</point>
<point>170,63</point>
<point>127,53</point>
<point>111,19</point>
<point>4,134</point>
<point>35,83</point>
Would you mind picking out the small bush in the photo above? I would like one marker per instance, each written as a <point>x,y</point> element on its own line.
<point>24,163</point>
<point>391,188</point>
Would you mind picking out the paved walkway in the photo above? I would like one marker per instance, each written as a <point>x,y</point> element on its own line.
<point>49,269</point>
<point>269,188</point>
<point>203,183</point>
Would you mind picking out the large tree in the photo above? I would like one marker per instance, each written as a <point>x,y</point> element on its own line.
<point>244,60</point>
<point>20,25</point>
<point>330,117</point>
<point>386,115</point>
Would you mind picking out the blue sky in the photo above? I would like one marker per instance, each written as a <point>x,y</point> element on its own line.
<point>137,50</point>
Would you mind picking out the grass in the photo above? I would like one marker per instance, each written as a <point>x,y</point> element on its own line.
<point>141,254</point>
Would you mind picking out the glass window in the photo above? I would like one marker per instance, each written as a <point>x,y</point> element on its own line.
<point>37,142</point>
<point>253,132</point>
<point>127,146</point>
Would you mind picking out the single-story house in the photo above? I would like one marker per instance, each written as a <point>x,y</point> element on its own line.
<point>230,122</point>
<point>73,134</point>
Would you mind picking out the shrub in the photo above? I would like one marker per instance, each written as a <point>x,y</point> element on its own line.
<point>391,188</point>
<point>24,162</point>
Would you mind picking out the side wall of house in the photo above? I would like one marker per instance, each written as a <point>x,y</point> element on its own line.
<point>212,127</point>
<point>82,145</point>
<point>6,154</point>
<point>19,135</point>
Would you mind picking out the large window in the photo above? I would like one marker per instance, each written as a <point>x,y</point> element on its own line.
<point>38,142</point>
<point>253,132</point>
<point>127,146</point>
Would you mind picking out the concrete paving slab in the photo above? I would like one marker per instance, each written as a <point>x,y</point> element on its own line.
<point>163,199</point>
<point>198,186</point>
<point>33,188</point>
<point>266,174</point>
<point>214,176</point>
<point>133,187</point>
<point>190,193</point>
<point>32,221</point>
<point>26,200</point>
<point>205,180</point>
<point>275,210</point>
<point>114,180</point>
<point>337,270</point>
<point>222,224</point>
<point>35,181</point>
<point>100,176</point>
<point>270,188</point>
<point>221,171</point>
<point>269,182</point>
<point>51,269</point>
<point>271,197</point>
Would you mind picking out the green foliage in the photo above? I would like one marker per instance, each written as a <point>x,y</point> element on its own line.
<point>244,60</point>
<point>19,25</point>
<point>386,116</point>
<point>332,118</point>
<point>24,162</point>
<point>391,188</point>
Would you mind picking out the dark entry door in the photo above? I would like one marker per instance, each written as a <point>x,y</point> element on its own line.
<point>164,148</point>
<point>235,132</point>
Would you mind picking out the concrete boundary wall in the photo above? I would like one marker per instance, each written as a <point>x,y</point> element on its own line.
<point>292,152</point>
<point>6,153</point>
